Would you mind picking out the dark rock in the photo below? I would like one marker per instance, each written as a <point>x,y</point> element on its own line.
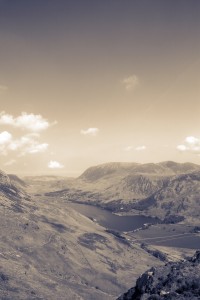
<point>178,281</point>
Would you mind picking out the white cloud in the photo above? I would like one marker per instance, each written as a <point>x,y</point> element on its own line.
<point>55,165</point>
<point>5,137</point>
<point>131,82</point>
<point>181,148</point>
<point>140,148</point>
<point>38,148</point>
<point>35,148</point>
<point>191,144</point>
<point>191,140</point>
<point>27,144</point>
<point>128,148</point>
<point>31,122</point>
<point>90,131</point>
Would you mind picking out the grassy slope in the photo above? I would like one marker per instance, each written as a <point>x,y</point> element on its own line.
<point>49,249</point>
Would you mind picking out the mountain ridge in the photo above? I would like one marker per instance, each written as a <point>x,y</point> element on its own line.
<point>162,190</point>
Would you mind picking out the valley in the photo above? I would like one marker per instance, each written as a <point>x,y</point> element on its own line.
<point>62,238</point>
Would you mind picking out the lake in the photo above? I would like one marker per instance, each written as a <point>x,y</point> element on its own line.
<point>108,220</point>
<point>129,223</point>
<point>190,241</point>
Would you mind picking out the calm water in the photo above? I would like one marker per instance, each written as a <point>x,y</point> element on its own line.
<point>111,221</point>
<point>191,241</point>
<point>129,223</point>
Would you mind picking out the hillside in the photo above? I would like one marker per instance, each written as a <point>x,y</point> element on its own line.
<point>12,192</point>
<point>48,249</point>
<point>163,190</point>
<point>175,281</point>
<point>167,168</point>
<point>179,197</point>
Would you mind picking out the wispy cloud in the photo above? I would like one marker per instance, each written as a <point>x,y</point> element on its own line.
<point>191,144</point>
<point>128,148</point>
<point>37,148</point>
<point>27,144</point>
<point>90,131</point>
<point>131,82</point>
<point>138,148</point>
<point>30,122</point>
<point>53,164</point>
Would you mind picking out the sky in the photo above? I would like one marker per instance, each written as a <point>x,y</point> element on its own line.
<point>88,82</point>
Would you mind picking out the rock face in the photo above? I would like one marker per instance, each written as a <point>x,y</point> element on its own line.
<point>180,196</point>
<point>179,281</point>
<point>4,179</point>
<point>12,192</point>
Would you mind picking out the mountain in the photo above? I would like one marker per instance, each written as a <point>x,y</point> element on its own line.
<point>106,170</point>
<point>163,190</point>
<point>131,181</point>
<point>4,179</point>
<point>49,251</point>
<point>12,192</point>
<point>115,169</point>
<point>174,281</point>
<point>180,196</point>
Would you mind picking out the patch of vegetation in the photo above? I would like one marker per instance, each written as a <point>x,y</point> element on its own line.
<point>92,240</point>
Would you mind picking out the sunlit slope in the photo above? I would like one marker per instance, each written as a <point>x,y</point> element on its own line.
<point>49,251</point>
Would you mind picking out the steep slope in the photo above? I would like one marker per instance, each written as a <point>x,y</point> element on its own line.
<point>180,168</point>
<point>175,281</point>
<point>130,181</point>
<point>179,197</point>
<point>52,252</point>
<point>116,168</point>
<point>167,190</point>
<point>12,192</point>
<point>4,179</point>
<point>15,180</point>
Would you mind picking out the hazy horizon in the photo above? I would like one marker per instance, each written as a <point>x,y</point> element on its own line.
<point>75,174</point>
<point>89,82</point>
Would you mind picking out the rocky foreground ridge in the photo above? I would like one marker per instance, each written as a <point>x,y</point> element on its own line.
<point>174,281</point>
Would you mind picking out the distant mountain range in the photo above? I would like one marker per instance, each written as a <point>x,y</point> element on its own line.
<point>165,189</point>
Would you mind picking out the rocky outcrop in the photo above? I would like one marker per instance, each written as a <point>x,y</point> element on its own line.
<point>4,179</point>
<point>174,281</point>
<point>12,192</point>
